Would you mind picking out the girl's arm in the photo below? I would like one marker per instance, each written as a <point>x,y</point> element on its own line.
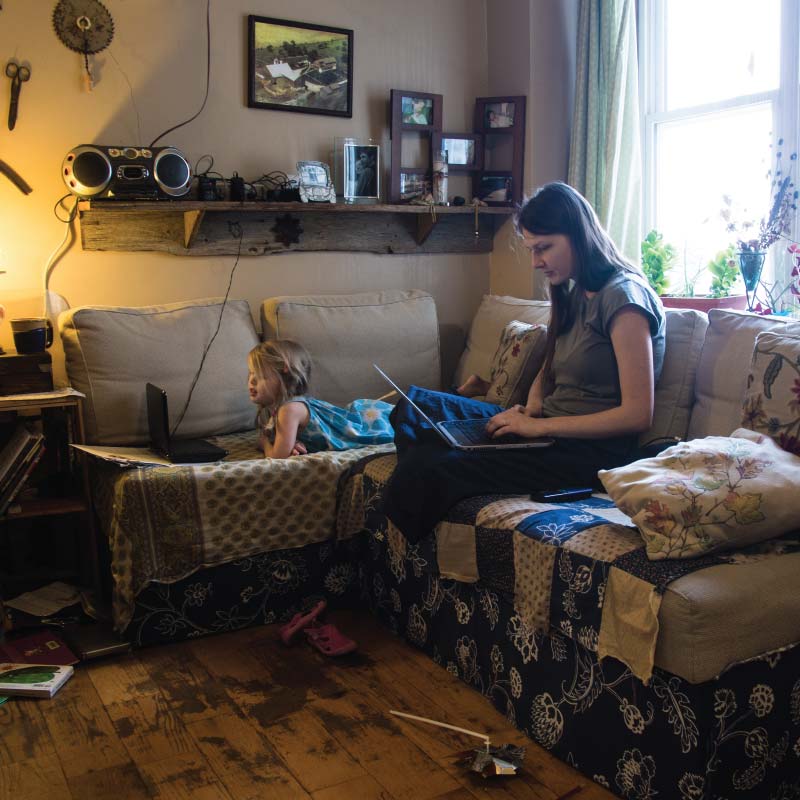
<point>633,348</point>
<point>533,408</point>
<point>290,420</point>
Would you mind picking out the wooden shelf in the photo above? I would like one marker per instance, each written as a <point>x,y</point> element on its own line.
<point>49,506</point>
<point>192,227</point>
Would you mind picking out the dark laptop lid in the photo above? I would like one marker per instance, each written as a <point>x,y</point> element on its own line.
<point>158,419</point>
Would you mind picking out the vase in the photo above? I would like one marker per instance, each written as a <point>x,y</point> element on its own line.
<point>751,262</point>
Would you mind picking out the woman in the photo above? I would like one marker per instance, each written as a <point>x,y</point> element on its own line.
<point>594,393</point>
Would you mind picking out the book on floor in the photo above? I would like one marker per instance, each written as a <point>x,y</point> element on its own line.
<point>39,647</point>
<point>33,680</point>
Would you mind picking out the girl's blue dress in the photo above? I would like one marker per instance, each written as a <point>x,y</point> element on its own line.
<point>360,423</point>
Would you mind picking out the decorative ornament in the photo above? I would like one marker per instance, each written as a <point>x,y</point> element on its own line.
<point>287,230</point>
<point>84,26</point>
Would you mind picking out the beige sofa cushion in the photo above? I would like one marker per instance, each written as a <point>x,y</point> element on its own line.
<point>516,363</point>
<point>111,353</point>
<point>345,334</point>
<point>722,372</point>
<point>700,611</point>
<point>686,331</point>
<point>493,314</point>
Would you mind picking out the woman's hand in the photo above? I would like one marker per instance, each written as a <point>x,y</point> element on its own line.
<point>299,449</point>
<point>516,420</point>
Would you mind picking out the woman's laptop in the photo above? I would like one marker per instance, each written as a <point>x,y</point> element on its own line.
<point>182,451</point>
<point>470,434</point>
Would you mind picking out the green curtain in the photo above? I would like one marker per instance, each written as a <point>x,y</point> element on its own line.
<point>605,162</point>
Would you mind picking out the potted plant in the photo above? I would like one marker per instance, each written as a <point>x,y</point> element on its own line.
<point>658,260</point>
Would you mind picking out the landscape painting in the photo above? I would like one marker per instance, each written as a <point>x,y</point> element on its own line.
<point>297,66</point>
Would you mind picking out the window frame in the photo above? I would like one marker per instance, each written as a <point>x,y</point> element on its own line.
<point>785,99</point>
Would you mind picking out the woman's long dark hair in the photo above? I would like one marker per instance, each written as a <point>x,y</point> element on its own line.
<point>558,208</point>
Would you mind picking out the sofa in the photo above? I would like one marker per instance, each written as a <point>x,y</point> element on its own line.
<point>674,678</point>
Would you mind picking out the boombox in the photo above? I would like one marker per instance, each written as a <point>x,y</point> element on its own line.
<point>127,173</point>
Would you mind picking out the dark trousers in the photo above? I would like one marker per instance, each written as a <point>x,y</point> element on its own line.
<point>432,477</point>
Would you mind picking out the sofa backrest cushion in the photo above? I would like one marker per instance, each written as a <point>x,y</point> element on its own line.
<point>686,331</point>
<point>723,369</point>
<point>346,334</point>
<point>111,353</point>
<point>493,314</point>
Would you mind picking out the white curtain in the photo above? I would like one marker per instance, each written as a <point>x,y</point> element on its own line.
<point>605,162</point>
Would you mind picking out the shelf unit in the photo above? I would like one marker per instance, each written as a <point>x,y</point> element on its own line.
<point>76,502</point>
<point>193,227</point>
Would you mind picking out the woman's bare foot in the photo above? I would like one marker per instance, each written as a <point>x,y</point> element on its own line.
<point>473,386</point>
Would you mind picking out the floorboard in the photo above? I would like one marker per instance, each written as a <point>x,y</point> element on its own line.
<point>240,716</point>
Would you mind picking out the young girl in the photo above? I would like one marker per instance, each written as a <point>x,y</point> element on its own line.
<point>291,423</point>
<point>594,394</point>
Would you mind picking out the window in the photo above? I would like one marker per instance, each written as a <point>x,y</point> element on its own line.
<point>719,83</point>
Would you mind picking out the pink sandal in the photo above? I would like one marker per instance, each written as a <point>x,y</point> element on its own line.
<point>329,640</point>
<point>300,621</point>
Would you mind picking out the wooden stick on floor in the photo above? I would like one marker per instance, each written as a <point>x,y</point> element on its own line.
<point>483,736</point>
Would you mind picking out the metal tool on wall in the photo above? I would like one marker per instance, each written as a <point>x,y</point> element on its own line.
<point>19,74</point>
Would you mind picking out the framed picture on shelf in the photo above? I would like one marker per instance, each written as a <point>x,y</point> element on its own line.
<point>501,123</point>
<point>416,111</point>
<point>415,117</point>
<point>361,171</point>
<point>495,189</point>
<point>298,66</point>
<point>413,185</point>
<point>464,150</point>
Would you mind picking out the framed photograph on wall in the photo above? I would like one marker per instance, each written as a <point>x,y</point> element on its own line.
<point>415,111</point>
<point>495,188</point>
<point>362,175</point>
<point>298,66</point>
<point>501,122</point>
<point>464,150</point>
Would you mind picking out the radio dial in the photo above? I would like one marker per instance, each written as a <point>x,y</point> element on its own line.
<point>130,152</point>
<point>114,152</point>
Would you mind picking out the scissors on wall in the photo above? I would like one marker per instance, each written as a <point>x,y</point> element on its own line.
<point>19,74</point>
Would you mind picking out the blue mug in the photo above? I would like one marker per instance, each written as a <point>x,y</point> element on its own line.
<point>32,334</point>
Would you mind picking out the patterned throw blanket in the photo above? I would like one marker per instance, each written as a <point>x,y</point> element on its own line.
<point>579,567</point>
<point>164,523</point>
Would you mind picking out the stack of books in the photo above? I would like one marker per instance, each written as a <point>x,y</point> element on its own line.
<point>17,460</point>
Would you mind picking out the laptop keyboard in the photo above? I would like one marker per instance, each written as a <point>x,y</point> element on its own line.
<point>473,431</point>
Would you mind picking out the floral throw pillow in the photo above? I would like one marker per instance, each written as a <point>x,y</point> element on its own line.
<point>710,494</point>
<point>772,397</point>
<point>517,360</point>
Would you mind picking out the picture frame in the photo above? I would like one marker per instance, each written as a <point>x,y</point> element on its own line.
<point>501,122</point>
<point>413,185</point>
<point>314,182</point>
<point>299,66</point>
<point>361,172</point>
<point>495,188</point>
<point>464,150</point>
<point>412,113</point>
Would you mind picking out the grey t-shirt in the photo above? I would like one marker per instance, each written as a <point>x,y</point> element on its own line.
<point>585,374</point>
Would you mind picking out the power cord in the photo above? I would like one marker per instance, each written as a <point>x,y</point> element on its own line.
<point>208,78</point>
<point>236,231</point>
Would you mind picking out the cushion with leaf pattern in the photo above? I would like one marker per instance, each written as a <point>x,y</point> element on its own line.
<point>517,360</point>
<point>710,494</point>
<point>772,397</point>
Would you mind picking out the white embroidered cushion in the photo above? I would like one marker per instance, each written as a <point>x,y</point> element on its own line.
<point>709,494</point>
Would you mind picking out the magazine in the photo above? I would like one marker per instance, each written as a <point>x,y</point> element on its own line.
<point>33,680</point>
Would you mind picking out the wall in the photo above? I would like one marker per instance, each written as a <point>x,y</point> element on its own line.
<point>153,76</point>
<point>532,52</point>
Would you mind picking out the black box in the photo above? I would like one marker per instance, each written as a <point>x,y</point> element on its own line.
<point>24,373</point>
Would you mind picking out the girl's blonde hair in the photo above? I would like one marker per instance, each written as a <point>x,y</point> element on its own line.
<point>289,359</point>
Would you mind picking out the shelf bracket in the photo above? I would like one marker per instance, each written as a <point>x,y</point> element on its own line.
<point>425,224</point>
<point>191,225</point>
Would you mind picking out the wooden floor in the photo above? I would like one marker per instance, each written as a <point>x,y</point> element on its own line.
<point>240,716</point>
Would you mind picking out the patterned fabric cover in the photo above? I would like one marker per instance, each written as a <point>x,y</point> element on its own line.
<point>578,568</point>
<point>164,523</point>
<point>772,399</point>
<point>517,360</point>
<point>731,738</point>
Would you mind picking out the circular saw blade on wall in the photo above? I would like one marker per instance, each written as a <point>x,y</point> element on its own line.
<point>84,26</point>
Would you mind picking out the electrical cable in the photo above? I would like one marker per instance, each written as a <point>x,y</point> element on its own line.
<point>208,78</point>
<point>133,99</point>
<point>59,251</point>
<point>236,230</point>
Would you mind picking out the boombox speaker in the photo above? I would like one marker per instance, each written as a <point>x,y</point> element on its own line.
<point>126,173</point>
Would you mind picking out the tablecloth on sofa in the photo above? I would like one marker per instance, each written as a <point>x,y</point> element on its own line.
<point>577,568</point>
<point>164,523</point>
